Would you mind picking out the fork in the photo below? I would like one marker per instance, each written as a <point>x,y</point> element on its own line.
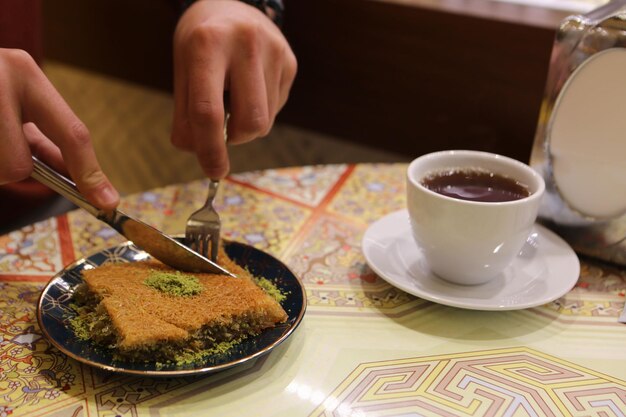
<point>202,232</point>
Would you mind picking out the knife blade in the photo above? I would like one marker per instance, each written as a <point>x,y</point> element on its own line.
<point>161,246</point>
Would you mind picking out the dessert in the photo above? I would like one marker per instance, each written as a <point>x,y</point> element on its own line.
<point>146,311</point>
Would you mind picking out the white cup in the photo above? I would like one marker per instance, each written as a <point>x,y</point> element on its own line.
<point>470,242</point>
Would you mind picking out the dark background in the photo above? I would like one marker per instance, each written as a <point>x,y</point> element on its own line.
<point>410,76</point>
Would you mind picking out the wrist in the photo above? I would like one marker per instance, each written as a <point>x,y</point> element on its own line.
<point>271,8</point>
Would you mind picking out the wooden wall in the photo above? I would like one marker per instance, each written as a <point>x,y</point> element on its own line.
<point>129,39</point>
<point>416,79</point>
<point>402,75</point>
<point>20,26</point>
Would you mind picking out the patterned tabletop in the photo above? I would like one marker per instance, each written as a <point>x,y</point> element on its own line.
<point>364,347</point>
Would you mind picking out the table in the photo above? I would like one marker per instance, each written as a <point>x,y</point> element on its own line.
<point>363,348</point>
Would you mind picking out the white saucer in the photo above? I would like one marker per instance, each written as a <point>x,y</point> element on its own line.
<point>536,277</point>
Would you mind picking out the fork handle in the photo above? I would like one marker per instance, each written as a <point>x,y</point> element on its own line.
<point>57,182</point>
<point>213,186</point>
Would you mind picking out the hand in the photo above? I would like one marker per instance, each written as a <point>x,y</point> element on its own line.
<point>227,45</point>
<point>37,121</point>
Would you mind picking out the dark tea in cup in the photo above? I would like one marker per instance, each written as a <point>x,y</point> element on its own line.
<point>475,185</point>
<point>471,212</point>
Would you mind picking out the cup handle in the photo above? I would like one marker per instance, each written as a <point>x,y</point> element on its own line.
<point>530,246</point>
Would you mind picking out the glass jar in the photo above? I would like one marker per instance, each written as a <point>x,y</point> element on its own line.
<point>580,143</point>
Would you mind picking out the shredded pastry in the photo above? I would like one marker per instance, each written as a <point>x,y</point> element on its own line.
<point>145,311</point>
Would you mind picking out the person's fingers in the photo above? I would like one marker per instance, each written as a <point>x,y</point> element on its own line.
<point>225,44</point>
<point>279,72</point>
<point>181,136</point>
<point>15,160</point>
<point>205,106</point>
<point>288,75</point>
<point>43,148</point>
<point>250,116</point>
<point>273,75</point>
<point>43,105</point>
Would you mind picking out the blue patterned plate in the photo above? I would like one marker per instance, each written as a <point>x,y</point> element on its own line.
<point>53,313</point>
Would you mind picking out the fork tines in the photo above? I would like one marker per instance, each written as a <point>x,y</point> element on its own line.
<point>202,232</point>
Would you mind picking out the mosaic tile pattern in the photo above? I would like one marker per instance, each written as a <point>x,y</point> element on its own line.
<point>307,185</point>
<point>330,253</point>
<point>33,250</point>
<point>259,219</point>
<point>313,218</point>
<point>511,382</point>
<point>90,235</point>
<point>33,375</point>
<point>363,194</point>
<point>598,297</point>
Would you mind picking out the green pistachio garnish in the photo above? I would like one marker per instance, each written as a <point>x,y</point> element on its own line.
<point>174,283</point>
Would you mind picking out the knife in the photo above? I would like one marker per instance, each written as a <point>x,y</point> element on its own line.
<point>161,246</point>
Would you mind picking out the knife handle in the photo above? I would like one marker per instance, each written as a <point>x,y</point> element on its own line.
<point>57,182</point>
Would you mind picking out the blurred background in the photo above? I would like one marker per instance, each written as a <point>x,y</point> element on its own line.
<point>378,81</point>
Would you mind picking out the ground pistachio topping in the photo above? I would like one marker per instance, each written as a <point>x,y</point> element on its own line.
<point>81,327</point>
<point>174,283</point>
<point>271,289</point>
<point>190,357</point>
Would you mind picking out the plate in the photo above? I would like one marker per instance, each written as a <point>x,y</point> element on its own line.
<point>542,272</point>
<point>53,313</point>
